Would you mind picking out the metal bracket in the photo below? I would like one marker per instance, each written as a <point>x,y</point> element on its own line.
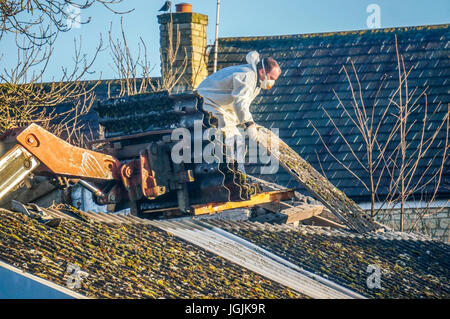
<point>15,165</point>
<point>150,188</point>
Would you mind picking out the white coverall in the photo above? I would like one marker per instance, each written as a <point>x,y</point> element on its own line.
<point>227,94</point>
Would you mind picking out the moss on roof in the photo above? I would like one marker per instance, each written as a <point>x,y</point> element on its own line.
<point>127,261</point>
<point>408,268</point>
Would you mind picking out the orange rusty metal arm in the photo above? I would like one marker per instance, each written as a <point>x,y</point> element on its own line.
<point>61,158</point>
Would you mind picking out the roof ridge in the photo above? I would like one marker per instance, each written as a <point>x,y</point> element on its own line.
<point>337,33</point>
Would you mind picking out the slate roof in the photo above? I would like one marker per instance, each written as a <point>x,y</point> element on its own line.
<point>411,266</point>
<point>127,261</point>
<point>312,66</point>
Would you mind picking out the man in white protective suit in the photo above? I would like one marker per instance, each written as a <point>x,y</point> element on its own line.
<point>228,93</point>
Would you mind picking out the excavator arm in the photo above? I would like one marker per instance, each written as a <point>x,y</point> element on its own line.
<point>62,158</point>
<point>35,149</point>
<point>135,182</point>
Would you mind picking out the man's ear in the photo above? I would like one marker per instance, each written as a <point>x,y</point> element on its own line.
<point>260,74</point>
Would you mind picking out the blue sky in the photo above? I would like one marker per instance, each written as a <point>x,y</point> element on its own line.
<point>238,18</point>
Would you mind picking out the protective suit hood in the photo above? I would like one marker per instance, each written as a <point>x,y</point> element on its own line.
<point>253,59</point>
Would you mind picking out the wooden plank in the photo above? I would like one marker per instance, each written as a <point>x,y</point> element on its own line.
<point>325,222</point>
<point>257,199</point>
<point>294,213</point>
<point>299,213</point>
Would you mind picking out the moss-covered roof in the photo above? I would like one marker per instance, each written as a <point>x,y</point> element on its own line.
<point>127,261</point>
<point>410,266</point>
<point>135,259</point>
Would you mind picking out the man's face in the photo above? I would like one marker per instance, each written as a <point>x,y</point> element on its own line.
<point>272,75</point>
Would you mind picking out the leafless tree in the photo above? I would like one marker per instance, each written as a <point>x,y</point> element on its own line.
<point>399,164</point>
<point>364,121</point>
<point>40,21</point>
<point>403,161</point>
<point>133,70</point>
<point>25,98</point>
<point>171,71</point>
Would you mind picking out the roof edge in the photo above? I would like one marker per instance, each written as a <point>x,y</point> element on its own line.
<point>43,281</point>
<point>335,33</point>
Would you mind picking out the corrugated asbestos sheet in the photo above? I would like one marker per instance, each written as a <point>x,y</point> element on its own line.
<point>105,256</point>
<point>128,257</point>
<point>407,265</point>
<point>218,242</point>
<point>250,256</point>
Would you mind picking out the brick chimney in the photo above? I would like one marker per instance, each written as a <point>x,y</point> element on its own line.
<point>188,32</point>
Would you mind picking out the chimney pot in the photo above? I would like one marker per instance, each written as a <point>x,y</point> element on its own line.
<point>183,7</point>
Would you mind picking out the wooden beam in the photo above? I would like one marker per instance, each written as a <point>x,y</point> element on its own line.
<point>263,198</point>
<point>325,222</point>
<point>292,214</point>
<point>299,213</point>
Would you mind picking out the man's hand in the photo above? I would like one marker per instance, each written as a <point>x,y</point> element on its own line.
<point>252,131</point>
<point>261,135</point>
